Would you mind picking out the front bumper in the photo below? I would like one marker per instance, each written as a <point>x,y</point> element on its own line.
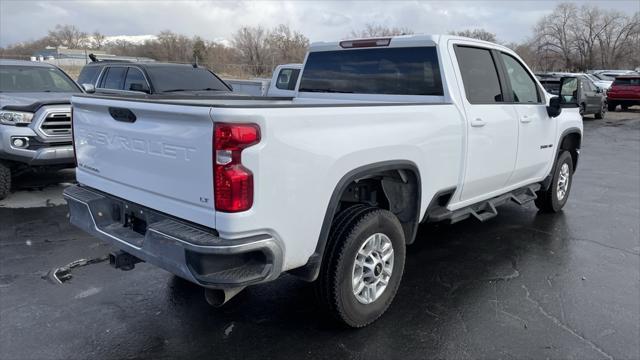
<point>186,250</point>
<point>45,154</point>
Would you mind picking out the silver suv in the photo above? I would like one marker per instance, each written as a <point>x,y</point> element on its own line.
<point>35,118</point>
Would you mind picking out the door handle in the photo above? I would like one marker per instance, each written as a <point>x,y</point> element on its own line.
<point>525,119</point>
<point>477,122</point>
<point>121,114</point>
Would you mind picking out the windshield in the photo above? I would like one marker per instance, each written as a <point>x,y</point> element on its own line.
<point>34,79</point>
<point>184,78</point>
<point>592,78</point>
<point>393,71</point>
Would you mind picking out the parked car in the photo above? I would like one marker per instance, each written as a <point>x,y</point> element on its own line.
<point>591,99</point>
<point>154,78</point>
<point>610,75</point>
<point>330,186</point>
<point>282,83</point>
<point>625,92</point>
<point>602,84</point>
<point>35,123</point>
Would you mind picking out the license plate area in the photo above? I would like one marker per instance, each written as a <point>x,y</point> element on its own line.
<point>134,218</point>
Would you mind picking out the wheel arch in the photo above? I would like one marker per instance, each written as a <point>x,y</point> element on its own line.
<point>392,193</point>
<point>570,140</point>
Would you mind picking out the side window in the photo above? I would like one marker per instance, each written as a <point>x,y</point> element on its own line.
<point>114,78</point>
<point>569,91</point>
<point>287,79</point>
<point>283,79</point>
<point>479,75</point>
<point>134,76</point>
<point>522,84</point>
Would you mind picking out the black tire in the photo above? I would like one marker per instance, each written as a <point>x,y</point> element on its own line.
<point>612,106</point>
<point>350,230</point>
<point>603,110</point>
<point>548,200</point>
<point>5,181</point>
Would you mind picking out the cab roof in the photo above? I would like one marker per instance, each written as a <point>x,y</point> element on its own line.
<point>402,41</point>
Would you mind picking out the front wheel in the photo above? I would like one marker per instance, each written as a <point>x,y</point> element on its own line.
<point>5,181</point>
<point>363,265</point>
<point>553,199</point>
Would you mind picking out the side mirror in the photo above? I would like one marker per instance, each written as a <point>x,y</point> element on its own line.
<point>569,92</point>
<point>139,87</point>
<point>88,88</point>
<point>554,109</point>
<point>598,90</point>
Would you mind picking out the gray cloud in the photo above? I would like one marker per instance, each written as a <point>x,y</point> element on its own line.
<point>319,20</point>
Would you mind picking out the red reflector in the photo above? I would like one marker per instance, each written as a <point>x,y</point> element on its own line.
<point>233,188</point>
<point>365,43</point>
<point>232,183</point>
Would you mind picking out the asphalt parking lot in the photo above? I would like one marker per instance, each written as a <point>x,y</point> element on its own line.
<point>523,285</point>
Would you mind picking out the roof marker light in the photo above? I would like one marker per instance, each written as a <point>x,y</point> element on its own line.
<point>365,43</point>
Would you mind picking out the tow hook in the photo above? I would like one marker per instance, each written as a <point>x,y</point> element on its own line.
<point>123,260</point>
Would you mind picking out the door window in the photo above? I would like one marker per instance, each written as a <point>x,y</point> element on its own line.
<point>479,75</point>
<point>522,84</point>
<point>114,78</point>
<point>287,79</point>
<point>134,76</point>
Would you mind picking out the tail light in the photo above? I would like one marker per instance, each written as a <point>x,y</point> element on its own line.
<point>233,183</point>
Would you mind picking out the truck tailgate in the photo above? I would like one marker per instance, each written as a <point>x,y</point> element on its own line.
<point>162,159</point>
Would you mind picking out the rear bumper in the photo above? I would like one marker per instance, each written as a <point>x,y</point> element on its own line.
<point>189,251</point>
<point>624,101</point>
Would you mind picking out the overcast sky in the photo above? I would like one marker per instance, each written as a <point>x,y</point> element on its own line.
<point>318,20</point>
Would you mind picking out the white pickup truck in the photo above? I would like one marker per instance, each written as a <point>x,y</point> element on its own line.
<point>283,82</point>
<point>383,134</point>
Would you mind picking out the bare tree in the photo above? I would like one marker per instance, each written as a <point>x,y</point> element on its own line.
<point>553,33</point>
<point>97,40</point>
<point>620,39</point>
<point>68,36</point>
<point>376,30</point>
<point>251,43</point>
<point>287,46</point>
<point>480,34</point>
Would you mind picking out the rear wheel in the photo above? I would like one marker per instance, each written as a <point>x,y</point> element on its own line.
<point>603,110</point>
<point>554,198</point>
<point>363,265</point>
<point>5,180</point>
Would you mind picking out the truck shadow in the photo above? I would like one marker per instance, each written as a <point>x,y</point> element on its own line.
<point>451,271</point>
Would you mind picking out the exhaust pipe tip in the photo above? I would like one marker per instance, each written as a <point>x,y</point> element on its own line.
<point>219,297</point>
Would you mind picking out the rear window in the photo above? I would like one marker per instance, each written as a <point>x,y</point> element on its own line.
<point>392,71</point>
<point>552,86</point>
<point>627,81</point>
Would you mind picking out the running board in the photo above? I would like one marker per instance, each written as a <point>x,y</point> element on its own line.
<point>485,210</point>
